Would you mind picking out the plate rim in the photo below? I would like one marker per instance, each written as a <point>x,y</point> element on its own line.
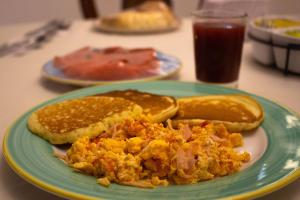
<point>280,183</point>
<point>84,83</point>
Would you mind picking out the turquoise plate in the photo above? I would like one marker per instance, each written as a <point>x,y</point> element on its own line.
<point>276,166</point>
<point>168,66</point>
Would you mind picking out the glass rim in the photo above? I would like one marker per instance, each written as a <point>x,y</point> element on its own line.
<point>219,14</point>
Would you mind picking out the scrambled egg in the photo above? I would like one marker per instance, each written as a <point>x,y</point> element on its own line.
<point>144,154</point>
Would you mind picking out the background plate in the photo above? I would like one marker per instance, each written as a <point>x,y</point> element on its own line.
<point>98,26</point>
<point>169,66</point>
<point>32,157</point>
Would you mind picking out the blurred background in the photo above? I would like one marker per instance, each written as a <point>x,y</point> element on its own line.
<point>16,11</point>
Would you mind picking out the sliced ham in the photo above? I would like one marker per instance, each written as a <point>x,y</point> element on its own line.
<point>113,63</point>
<point>70,59</point>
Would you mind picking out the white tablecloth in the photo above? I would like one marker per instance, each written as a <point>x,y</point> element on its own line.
<point>22,87</point>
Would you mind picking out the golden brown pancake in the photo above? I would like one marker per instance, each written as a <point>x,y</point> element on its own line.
<point>157,107</point>
<point>237,112</point>
<point>64,122</point>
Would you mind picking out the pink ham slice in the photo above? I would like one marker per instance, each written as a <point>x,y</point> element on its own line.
<point>70,59</point>
<point>114,63</point>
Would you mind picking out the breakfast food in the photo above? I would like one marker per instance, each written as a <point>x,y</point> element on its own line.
<point>294,33</point>
<point>144,154</point>
<point>147,16</point>
<point>158,108</point>
<point>118,136</point>
<point>108,64</point>
<point>276,23</point>
<point>236,112</point>
<point>66,121</point>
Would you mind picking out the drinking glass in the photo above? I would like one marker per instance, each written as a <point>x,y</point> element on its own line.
<point>218,42</point>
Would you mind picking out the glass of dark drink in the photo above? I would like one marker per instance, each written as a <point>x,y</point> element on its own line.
<point>218,42</point>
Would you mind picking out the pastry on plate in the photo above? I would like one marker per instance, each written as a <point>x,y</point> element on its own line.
<point>147,16</point>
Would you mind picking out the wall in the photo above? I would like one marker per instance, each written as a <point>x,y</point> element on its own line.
<point>19,11</point>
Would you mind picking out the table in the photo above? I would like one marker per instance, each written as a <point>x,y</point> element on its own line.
<point>22,87</point>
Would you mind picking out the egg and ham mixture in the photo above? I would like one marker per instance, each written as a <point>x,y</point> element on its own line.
<point>144,154</point>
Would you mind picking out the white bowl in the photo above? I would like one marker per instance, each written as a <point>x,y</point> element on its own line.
<point>280,37</point>
<point>262,50</point>
<point>262,46</point>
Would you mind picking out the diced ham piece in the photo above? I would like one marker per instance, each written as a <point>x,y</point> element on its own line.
<point>185,160</point>
<point>186,132</point>
<point>113,63</point>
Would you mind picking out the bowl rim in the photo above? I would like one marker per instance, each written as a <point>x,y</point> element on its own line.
<point>291,17</point>
<point>283,33</point>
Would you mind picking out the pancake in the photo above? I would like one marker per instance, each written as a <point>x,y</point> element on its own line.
<point>66,121</point>
<point>237,112</point>
<point>158,108</point>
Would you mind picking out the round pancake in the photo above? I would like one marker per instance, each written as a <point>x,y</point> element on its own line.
<point>158,108</point>
<point>64,122</point>
<point>236,112</point>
